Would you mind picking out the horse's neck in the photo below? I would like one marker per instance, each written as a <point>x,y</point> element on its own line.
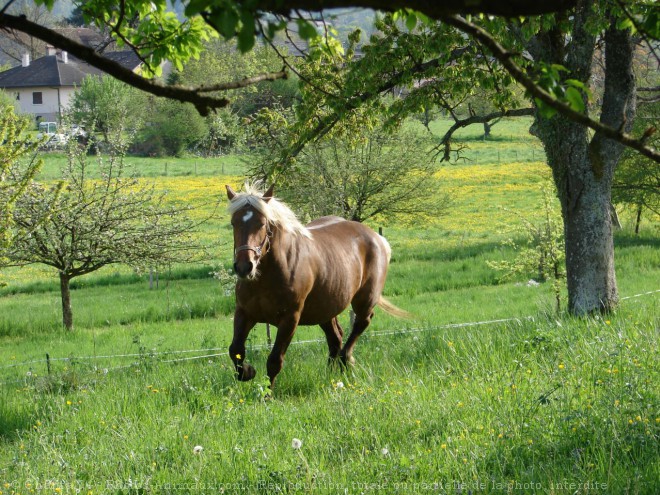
<point>284,248</point>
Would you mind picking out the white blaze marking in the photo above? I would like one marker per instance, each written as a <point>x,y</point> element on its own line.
<point>248,215</point>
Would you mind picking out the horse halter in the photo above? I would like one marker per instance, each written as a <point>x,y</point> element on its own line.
<point>259,250</point>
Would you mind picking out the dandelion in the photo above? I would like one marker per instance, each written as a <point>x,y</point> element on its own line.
<point>238,356</point>
<point>197,449</point>
<point>296,444</point>
<point>339,385</point>
<point>185,437</point>
<point>443,446</point>
<point>28,374</point>
<point>68,403</point>
<point>384,451</point>
<point>561,366</point>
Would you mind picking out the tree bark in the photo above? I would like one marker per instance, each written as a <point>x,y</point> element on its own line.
<point>65,292</point>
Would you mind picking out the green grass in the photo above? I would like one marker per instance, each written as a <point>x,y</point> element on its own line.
<point>539,403</point>
<point>157,167</point>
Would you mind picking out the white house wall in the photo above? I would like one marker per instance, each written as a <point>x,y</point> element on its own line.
<point>49,110</point>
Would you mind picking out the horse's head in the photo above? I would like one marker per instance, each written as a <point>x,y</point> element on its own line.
<point>252,233</point>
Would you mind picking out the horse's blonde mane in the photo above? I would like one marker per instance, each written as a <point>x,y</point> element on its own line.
<point>276,212</point>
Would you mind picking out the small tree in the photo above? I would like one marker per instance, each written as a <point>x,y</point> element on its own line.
<point>362,173</point>
<point>541,249</point>
<point>171,129</point>
<point>15,145</point>
<point>105,105</point>
<point>97,222</point>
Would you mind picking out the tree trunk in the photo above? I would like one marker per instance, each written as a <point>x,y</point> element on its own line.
<point>487,128</point>
<point>638,219</point>
<point>583,169</point>
<point>67,314</point>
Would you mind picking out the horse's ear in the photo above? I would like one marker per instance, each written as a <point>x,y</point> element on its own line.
<point>231,194</point>
<point>268,195</point>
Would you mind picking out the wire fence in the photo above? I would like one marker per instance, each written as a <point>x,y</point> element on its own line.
<point>209,353</point>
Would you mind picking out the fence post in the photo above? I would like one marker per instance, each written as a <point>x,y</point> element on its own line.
<point>165,169</point>
<point>48,362</point>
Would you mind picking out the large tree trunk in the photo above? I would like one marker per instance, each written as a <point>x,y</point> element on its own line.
<point>65,292</point>
<point>583,168</point>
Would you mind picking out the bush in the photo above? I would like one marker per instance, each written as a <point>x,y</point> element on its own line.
<point>172,129</point>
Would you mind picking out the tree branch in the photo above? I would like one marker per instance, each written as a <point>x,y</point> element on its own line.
<point>445,142</point>
<point>248,81</point>
<point>536,91</point>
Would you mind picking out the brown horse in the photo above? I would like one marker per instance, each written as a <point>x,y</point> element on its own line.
<point>290,275</point>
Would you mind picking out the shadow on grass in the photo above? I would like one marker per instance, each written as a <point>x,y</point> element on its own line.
<point>628,239</point>
<point>13,418</point>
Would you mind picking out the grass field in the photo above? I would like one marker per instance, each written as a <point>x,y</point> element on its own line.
<point>141,397</point>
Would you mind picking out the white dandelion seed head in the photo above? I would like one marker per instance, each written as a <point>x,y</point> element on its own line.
<point>28,374</point>
<point>340,385</point>
<point>384,451</point>
<point>197,449</point>
<point>296,443</point>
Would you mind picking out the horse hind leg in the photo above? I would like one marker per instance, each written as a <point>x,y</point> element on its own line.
<point>335,336</point>
<point>362,321</point>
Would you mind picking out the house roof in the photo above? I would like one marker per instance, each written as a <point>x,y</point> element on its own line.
<point>52,71</point>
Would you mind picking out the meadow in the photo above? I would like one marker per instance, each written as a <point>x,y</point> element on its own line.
<point>487,390</point>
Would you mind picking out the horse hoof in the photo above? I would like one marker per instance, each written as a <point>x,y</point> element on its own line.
<point>347,361</point>
<point>246,374</point>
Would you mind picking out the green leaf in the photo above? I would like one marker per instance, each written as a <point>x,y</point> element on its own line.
<point>546,111</point>
<point>575,83</point>
<point>306,30</point>
<point>625,23</point>
<point>411,21</point>
<point>246,34</point>
<point>227,22</point>
<point>574,99</point>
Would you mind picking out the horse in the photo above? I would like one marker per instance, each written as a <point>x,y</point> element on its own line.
<point>289,275</point>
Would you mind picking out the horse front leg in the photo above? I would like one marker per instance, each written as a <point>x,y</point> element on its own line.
<point>285,331</point>
<point>242,327</point>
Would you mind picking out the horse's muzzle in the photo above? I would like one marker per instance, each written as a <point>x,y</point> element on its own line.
<point>244,269</point>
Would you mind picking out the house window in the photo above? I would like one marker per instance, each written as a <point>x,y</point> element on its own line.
<point>37,98</point>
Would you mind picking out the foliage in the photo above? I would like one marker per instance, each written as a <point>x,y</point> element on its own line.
<point>108,106</point>
<point>150,28</point>
<point>94,223</point>
<point>541,251</point>
<point>15,176</point>
<point>171,128</point>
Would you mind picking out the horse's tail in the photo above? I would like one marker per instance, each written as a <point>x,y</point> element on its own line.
<point>393,310</point>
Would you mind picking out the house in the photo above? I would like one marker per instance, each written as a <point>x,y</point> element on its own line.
<point>44,87</point>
